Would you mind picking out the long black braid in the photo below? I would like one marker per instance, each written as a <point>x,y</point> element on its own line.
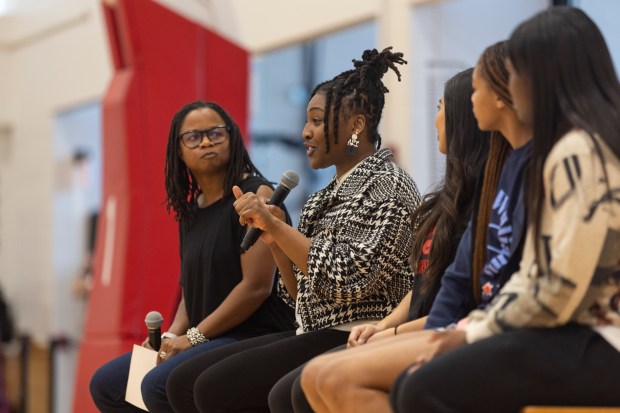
<point>362,91</point>
<point>181,187</point>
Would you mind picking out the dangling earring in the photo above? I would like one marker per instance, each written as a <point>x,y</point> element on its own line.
<point>352,144</point>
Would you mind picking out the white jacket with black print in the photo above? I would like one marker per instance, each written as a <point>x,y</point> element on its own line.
<point>358,263</point>
<point>579,277</point>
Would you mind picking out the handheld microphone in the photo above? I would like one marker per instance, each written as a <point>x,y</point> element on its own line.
<point>153,322</point>
<point>289,180</point>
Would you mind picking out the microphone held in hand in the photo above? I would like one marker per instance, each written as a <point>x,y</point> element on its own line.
<point>153,322</point>
<point>289,180</point>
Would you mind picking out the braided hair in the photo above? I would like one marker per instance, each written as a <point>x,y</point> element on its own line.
<point>492,68</point>
<point>359,91</point>
<point>182,189</point>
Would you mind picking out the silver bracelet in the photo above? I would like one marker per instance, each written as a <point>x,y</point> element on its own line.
<point>195,337</point>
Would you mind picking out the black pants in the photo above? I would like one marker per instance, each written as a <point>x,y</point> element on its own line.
<point>566,366</point>
<point>286,395</point>
<point>238,377</point>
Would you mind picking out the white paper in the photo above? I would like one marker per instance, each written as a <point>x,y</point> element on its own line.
<point>142,361</point>
<point>611,334</point>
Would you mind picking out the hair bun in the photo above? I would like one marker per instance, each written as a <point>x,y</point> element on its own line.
<point>375,64</point>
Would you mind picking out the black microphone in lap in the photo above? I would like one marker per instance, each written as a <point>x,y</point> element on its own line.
<point>289,180</point>
<point>153,322</point>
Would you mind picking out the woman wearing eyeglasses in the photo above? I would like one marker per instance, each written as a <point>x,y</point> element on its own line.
<point>227,297</point>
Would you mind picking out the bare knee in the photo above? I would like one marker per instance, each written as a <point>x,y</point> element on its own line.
<point>309,376</point>
<point>326,377</point>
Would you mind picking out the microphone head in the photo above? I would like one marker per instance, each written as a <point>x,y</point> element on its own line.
<point>289,179</point>
<point>153,320</point>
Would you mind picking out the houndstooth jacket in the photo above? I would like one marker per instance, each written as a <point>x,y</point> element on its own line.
<point>358,263</point>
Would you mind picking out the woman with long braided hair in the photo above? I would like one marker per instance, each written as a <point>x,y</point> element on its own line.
<point>348,261</point>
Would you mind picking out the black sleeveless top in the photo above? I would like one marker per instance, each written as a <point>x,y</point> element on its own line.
<point>211,267</point>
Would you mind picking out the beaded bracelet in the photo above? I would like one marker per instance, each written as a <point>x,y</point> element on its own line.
<point>195,337</point>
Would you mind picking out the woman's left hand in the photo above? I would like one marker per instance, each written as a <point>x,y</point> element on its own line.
<point>172,346</point>
<point>443,342</point>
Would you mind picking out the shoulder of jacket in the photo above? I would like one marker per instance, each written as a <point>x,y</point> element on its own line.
<point>575,142</point>
<point>394,182</point>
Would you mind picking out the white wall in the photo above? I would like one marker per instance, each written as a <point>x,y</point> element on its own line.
<point>57,59</point>
<point>448,37</point>
<point>5,151</point>
<point>605,14</point>
<point>5,72</point>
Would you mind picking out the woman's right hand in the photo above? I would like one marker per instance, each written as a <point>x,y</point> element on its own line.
<point>172,346</point>
<point>254,211</point>
<point>361,334</point>
<point>278,213</point>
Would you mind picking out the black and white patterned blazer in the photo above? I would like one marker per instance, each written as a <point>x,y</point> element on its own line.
<point>358,263</point>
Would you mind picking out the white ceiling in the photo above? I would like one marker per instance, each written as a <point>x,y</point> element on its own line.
<point>263,25</point>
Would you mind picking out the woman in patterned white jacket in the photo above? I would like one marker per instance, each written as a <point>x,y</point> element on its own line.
<point>348,262</point>
<point>552,334</point>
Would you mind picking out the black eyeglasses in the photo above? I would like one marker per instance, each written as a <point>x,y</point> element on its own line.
<point>193,138</point>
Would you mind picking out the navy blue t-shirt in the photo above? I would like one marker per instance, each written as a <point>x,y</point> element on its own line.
<point>505,242</point>
<point>500,237</point>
